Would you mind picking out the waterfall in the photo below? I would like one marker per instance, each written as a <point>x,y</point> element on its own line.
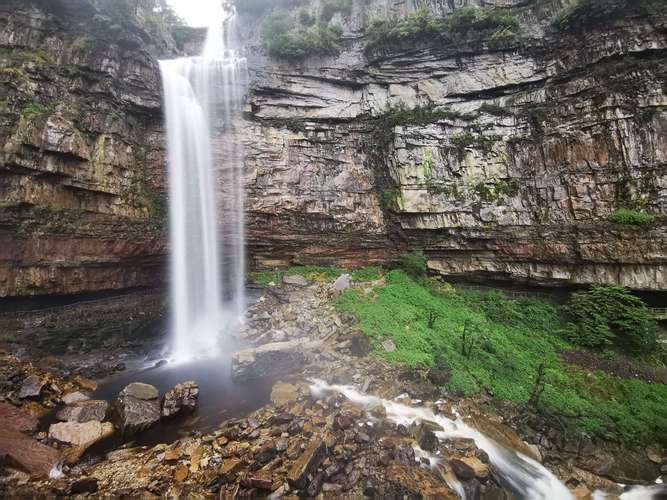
<point>202,97</point>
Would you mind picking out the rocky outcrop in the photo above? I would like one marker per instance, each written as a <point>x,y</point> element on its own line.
<point>182,398</point>
<point>81,149</point>
<point>543,140</point>
<point>276,358</point>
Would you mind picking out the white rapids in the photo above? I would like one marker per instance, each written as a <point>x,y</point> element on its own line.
<point>202,97</point>
<point>526,477</point>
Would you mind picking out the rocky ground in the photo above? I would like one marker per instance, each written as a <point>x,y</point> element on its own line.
<point>301,444</point>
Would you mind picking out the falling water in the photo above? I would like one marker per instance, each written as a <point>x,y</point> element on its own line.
<point>202,97</point>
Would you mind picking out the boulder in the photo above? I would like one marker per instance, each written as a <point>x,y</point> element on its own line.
<point>182,398</point>
<point>17,419</point>
<point>137,407</point>
<point>424,433</point>
<point>296,280</point>
<point>31,387</point>
<point>342,283</point>
<point>29,454</point>
<point>276,358</point>
<point>84,411</point>
<point>462,470</point>
<point>307,463</point>
<point>74,397</point>
<point>80,434</point>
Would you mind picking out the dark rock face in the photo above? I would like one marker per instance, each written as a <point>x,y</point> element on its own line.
<point>138,407</point>
<point>182,398</point>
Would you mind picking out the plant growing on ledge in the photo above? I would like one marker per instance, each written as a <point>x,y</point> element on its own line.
<point>464,25</point>
<point>581,14</point>
<point>284,38</point>
<point>630,217</point>
<point>414,263</point>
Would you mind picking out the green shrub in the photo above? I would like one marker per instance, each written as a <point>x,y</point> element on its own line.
<point>582,14</point>
<point>370,273</point>
<point>414,263</point>
<point>288,40</point>
<point>609,315</point>
<point>252,7</point>
<point>629,217</point>
<point>421,115</point>
<point>330,7</point>
<point>466,24</point>
<point>36,110</point>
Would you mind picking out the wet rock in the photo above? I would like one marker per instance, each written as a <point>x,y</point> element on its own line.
<point>86,485</point>
<point>138,407</point>
<point>414,482</point>
<point>31,387</point>
<point>261,480</point>
<point>80,434</point>
<point>424,433</point>
<point>502,434</point>
<point>342,283</point>
<point>296,280</point>
<point>343,421</point>
<point>181,473</point>
<point>462,470</point>
<point>182,398</point>
<point>283,393</point>
<point>307,463</point>
<point>655,454</point>
<point>74,397</point>
<point>228,468</point>
<point>481,469</point>
<point>85,383</point>
<point>29,454</point>
<point>17,419</point>
<point>388,345</point>
<point>277,358</point>
<point>84,411</point>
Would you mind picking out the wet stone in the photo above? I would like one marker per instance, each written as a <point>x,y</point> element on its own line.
<point>462,470</point>
<point>138,407</point>
<point>31,387</point>
<point>182,398</point>
<point>84,411</point>
<point>307,463</point>
<point>74,397</point>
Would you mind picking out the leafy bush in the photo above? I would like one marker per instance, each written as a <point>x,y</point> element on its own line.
<point>581,14</point>
<point>609,315</point>
<point>330,7</point>
<point>414,263</point>
<point>465,24</point>
<point>286,39</point>
<point>629,217</point>
<point>370,273</point>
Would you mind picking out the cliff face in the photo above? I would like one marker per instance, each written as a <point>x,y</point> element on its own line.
<point>81,158</point>
<point>543,140</point>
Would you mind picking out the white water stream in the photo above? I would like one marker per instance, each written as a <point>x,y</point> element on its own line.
<point>202,97</point>
<point>526,477</point>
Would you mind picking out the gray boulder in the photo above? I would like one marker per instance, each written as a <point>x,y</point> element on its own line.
<point>276,358</point>
<point>182,398</point>
<point>296,280</point>
<point>31,387</point>
<point>84,411</point>
<point>342,283</point>
<point>80,434</point>
<point>137,407</point>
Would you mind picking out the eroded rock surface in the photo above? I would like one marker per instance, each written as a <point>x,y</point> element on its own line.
<point>137,407</point>
<point>182,398</point>
<point>276,358</point>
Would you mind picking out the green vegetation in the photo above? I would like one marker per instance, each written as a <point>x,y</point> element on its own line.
<point>474,138</point>
<point>252,7</point>
<point>36,110</point>
<point>584,14</point>
<point>415,263</point>
<point>630,217</point>
<point>321,274</point>
<point>287,39</point>
<point>494,189</point>
<point>423,115</point>
<point>464,25</point>
<point>609,315</point>
<point>330,7</point>
<point>509,349</point>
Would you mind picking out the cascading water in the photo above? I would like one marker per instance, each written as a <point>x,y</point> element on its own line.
<point>202,97</point>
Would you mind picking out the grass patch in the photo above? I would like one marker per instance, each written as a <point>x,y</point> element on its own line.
<point>464,25</point>
<point>495,344</point>
<point>36,110</point>
<point>630,217</point>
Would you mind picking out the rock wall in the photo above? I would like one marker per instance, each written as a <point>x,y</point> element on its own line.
<point>546,137</point>
<point>82,206</point>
